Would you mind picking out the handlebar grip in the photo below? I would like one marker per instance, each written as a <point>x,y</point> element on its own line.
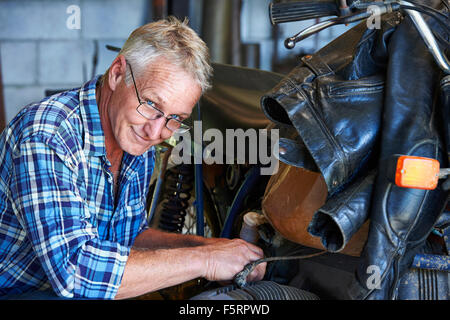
<point>302,10</point>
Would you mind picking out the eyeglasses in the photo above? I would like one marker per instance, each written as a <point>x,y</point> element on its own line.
<point>148,110</point>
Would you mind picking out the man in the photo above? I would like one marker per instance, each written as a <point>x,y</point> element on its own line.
<point>75,173</point>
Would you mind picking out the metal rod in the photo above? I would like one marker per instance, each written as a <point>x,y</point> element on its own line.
<point>199,185</point>
<point>290,42</point>
<point>428,37</point>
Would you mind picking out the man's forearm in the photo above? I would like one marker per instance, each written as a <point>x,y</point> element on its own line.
<point>156,239</point>
<point>151,270</point>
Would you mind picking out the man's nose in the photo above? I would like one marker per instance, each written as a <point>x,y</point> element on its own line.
<point>154,128</point>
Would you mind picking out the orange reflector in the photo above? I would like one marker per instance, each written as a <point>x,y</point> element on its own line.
<point>417,172</point>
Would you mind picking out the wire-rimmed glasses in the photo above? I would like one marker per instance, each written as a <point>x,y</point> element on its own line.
<point>148,110</point>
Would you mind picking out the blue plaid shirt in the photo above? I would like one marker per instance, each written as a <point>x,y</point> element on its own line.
<point>60,225</point>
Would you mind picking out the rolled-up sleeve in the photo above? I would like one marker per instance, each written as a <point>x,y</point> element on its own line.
<point>54,214</point>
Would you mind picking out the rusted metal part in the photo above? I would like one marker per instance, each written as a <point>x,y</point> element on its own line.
<point>435,261</point>
<point>432,262</point>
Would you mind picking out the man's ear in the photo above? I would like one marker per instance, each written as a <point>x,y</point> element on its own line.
<point>117,71</point>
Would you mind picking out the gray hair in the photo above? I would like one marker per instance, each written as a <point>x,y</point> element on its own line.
<point>172,39</point>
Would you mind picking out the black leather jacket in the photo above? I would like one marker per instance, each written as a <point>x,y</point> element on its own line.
<point>348,108</point>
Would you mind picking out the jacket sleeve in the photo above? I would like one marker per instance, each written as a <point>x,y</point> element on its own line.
<point>54,215</point>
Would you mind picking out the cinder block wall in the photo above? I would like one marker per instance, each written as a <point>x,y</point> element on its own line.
<point>40,52</point>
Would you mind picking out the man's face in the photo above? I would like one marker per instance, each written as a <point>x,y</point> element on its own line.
<point>172,91</point>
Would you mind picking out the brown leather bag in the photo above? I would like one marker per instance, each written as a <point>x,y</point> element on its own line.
<point>291,198</point>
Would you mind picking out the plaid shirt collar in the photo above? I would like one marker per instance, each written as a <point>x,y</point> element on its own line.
<point>94,138</point>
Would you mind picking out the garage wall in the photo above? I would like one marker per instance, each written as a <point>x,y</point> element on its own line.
<point>41,46</point>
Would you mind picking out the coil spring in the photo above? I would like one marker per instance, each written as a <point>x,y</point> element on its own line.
<point>178,188</point>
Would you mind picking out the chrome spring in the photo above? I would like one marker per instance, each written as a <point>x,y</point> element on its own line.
<point>178,188</point>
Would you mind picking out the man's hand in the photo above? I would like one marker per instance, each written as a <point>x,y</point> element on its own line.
<point>161,260</point>
<point>225,258</point>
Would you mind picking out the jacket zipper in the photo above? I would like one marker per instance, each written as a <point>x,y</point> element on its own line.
<point>392,290</point>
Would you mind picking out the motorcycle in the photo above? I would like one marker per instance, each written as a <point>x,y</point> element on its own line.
<point>344,141</point>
